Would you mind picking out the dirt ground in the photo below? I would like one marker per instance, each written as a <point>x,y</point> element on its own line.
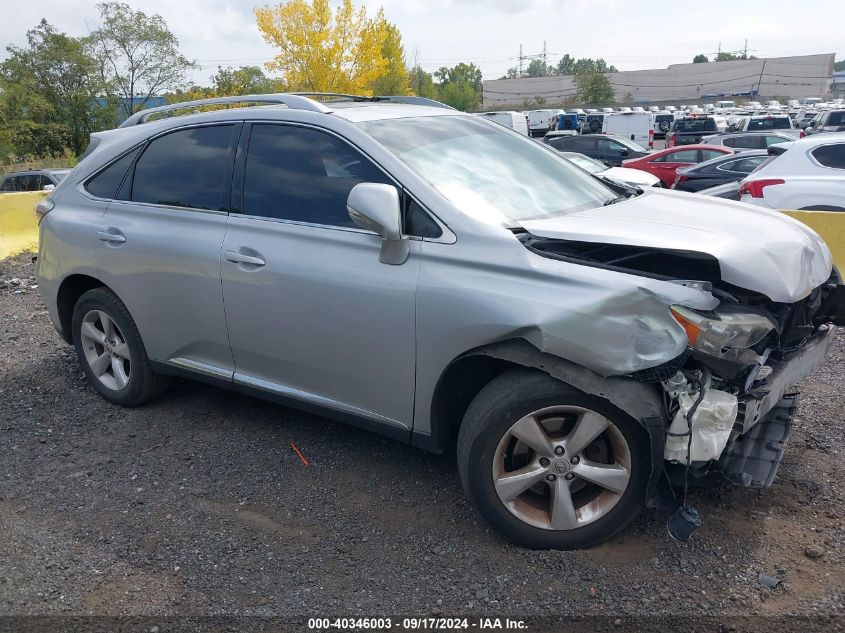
<point>196,505</point>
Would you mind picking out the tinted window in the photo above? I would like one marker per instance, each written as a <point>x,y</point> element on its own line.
<point>608,146</point>
<point>105,184</point>
<point>416,221</point>
<point>746,165</point>
<point>695,125</point>
<point>300,174</point>
<point>769,123</point>
<point>186,168</point>
<point>831,155</point>
<point>746,142</point>
<point>836,119</point>
<point>685,156</point>
<point>8,183</point>
<point>707,154</point>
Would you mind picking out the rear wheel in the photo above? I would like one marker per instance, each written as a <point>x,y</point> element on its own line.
<point>549,466</point>
<point>110,350</point>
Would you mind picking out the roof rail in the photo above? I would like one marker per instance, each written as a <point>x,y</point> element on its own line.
<point>406,99</point>
<point>295,101</point>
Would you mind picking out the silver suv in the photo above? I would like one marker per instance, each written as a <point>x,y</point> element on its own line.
<point>438,278</point>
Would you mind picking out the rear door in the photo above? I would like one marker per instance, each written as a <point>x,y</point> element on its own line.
<point>158,245</point>
<point>665,166</point>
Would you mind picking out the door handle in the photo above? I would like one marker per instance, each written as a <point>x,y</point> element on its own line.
<point>239,258</point>
<point>105,236</point>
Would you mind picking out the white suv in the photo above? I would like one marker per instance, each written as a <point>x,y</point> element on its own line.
<point>809,175</point>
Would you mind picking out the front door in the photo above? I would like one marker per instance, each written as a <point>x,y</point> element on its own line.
<point>312,313</point>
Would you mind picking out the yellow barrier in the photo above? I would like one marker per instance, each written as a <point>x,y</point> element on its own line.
<point>831,226</point>
<point>18,229</point>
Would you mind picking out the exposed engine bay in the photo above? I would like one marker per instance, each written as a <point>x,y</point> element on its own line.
<point>725,397</point>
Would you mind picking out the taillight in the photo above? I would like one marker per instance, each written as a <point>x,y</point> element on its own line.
<point>802,134</point>
<point>754,188</point>
<point>651,138</point>
<point>43,208</point>
<point>670,139</point>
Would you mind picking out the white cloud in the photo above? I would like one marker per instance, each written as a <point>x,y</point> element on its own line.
<point>487,32</point>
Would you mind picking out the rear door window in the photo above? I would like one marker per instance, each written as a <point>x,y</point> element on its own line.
<point>185,168</point>
<point>684,156</point>
<point>9,183</point>
<point>707,154</point>
<point>831,155</point>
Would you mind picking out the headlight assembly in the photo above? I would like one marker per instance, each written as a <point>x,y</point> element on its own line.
<point>727,335</point>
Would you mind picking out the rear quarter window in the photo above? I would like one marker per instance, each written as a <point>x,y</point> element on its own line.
<point>105,183</point>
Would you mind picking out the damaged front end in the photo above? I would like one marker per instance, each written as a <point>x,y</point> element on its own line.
<point>726,398</point>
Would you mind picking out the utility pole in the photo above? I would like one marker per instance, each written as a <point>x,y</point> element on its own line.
<point>520,60</point>
<point>544,58</point>
<point>745,50</point>
<point>760,79</point>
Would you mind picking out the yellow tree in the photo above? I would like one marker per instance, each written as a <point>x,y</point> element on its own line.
<point>322,50</point>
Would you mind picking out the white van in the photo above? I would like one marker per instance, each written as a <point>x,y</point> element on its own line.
<point>538,121</point>
<point>508,118</point>
<point>721,105</point>
<point>634,126</point>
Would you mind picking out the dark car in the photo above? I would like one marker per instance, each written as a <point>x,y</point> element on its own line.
<point>33,180</point>
<point>728,191</point>
<point>830,121</point>
<point>611,150</point>
<point>691,131</point>
<point>742,141</point>
<point>592,123</point>
<point>718,171</point>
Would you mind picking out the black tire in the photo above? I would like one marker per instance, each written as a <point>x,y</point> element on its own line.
<point>491,414</point>
<point>595,126</point>
<point>664,126</point>
<point>142,384</point>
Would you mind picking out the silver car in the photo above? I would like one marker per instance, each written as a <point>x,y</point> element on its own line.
<point>442,280</point>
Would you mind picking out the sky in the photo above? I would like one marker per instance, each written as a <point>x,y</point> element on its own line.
<point>631,35</point>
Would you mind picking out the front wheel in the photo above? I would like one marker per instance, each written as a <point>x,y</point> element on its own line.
<point>549,466</point>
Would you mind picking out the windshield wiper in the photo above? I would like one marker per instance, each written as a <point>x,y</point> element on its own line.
<point>615,200</point>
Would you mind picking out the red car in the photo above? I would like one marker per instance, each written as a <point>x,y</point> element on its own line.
<point>665,162</point>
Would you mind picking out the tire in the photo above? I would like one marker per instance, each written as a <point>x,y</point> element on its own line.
<point>486,443</point>
<point>127,378</point>
<point>664,126</point>
<point>595,126</point>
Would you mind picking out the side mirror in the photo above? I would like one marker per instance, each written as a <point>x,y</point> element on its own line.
<point>375,207</point>
<point>49,187</point>
<point>623,152</point>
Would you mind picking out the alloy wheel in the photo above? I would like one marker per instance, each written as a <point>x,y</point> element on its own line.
<point>105,348</point>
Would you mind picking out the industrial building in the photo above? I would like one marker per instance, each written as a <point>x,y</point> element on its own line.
<point>790,77</point>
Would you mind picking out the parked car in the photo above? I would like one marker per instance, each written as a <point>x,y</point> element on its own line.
<point>829,121</point>
<point>810,175</point>
<point>593,123</point>
<point>689,130</point>
<point>33,180</point>
<point>632,125</point>
<point>663,123</point>
<point>748,140</point>
<point>539,121</point>
<point>431,275</point>
<point>509,118</point>
<point>719,170</point>
<point>811,101</point>
<point>664,163</point>
<point>567,121</point>
<point>631,177</point>
<point>804,118</point>
<point>728,191</point>
<point>610,150</point>
<point>766,123</point>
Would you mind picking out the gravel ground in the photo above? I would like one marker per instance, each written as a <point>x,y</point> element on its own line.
<point>196,505</point>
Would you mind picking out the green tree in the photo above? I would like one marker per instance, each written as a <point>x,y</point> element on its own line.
<point>246,80</point>
<point>536,68</point>
<point>513,73</point>
<point>568,65</point>
<point>422,83</point>
<point>137,53</point>
<point>49,95</point>
<point>594,88</point>
<point>840,65</point>
<point>460,86</point>
<point>700,59</point>
<point>395,79</point>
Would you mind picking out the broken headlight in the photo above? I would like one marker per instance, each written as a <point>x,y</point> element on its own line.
<point>728,335</point>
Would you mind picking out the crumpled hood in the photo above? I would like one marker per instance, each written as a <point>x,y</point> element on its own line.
<point>760,250</point>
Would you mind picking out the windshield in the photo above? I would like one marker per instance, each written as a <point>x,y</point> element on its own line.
<point>695,125</point>
<point>585,162</point>
<point>487,171</point>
